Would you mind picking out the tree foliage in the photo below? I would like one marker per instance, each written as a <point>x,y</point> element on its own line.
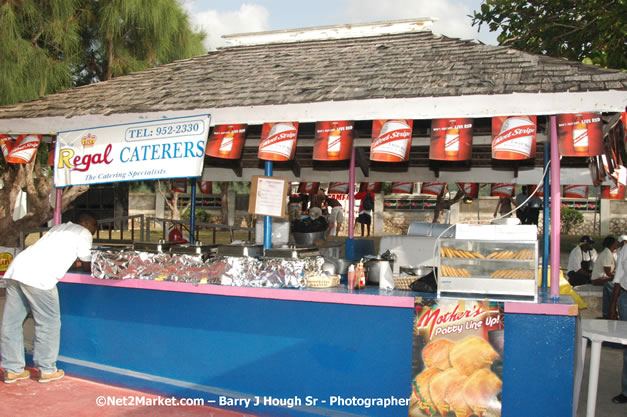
<point>591,31</point>
<point>47,46</point>
<point>51,45</point>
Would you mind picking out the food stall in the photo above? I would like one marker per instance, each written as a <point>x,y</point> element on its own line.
<point>291,349</point>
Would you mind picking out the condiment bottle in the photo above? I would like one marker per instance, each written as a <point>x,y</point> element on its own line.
<point>361,276</point>
<point>351,277</point>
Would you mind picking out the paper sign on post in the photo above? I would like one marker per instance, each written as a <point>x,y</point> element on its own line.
<point>267,196</point>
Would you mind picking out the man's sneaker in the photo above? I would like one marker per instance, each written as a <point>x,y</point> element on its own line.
<point>51,377</point>
<point>10,377</point>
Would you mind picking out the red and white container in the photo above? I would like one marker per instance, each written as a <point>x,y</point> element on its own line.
<point>338,188</point>
<point>226,141</point>
<point>471,189</point>
<point>514,138</point>
<point>391,140</point>
<point>502,190</point>
<point>333,141</point>
<point>451,139</point>
<point>278,141</point>
<point>580,134</point>
<point>370,187</point>
<point>206,187</point>
<point>575,191</point>
<point>402,188</point>
<point>613,192</point>
<point>433,188</point>
<point>24,149</point>
<point>308,187</point>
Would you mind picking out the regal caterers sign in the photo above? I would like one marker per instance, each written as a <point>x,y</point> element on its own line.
<point>156,149</point>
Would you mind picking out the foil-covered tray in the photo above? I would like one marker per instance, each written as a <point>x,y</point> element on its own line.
<point>269,272</point>
<point>292,253</point>
<point>241,249</point>
<point>151,266</point>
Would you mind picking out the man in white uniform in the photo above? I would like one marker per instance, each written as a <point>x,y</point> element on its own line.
<point>580,262</point>
<point>31,285</point>
<point>618,310</point>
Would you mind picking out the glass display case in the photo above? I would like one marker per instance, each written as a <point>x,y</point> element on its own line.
<point>496,269</point>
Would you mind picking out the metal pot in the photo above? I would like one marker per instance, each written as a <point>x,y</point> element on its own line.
<point>418,271</point>
<point>376,269</point>
<point>308,239</point>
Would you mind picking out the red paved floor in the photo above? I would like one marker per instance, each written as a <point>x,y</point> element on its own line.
<point>77,397</point>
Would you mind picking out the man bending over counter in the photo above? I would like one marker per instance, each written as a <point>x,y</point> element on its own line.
<point>31,285</point>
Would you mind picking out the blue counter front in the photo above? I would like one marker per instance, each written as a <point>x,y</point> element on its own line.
<point>287,350</point>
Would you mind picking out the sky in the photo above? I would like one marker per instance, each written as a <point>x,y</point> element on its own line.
<point>220,17</point>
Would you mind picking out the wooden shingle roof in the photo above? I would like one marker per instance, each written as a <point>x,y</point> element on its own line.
<point>397,66</point>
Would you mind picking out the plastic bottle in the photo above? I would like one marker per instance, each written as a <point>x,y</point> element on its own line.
<point>361,276</point>
<point>351,277</point>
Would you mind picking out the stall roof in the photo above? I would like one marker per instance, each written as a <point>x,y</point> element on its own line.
<point>414,75</point>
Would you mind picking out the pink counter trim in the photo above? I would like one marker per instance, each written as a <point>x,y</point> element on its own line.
<point>314,296</point>
<point>546,309</point>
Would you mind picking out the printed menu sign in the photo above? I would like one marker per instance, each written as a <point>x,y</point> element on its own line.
<point>457,362</point>
<point>268,196</point>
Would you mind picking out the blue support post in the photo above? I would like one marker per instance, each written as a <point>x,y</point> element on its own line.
<point>546,217</point>
<point>192,215</point>
<point>267,221</point>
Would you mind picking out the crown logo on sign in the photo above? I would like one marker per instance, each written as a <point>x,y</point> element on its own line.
<point>88,140</point>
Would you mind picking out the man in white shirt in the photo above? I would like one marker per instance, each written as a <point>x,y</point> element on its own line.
<point>622,243</point>
<point>604,266</point>
<point>618,309</point>
<point>31,285</point>
<point>580,262</point>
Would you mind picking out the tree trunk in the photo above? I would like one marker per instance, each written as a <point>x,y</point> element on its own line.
<point>171,198</point>
<point>20,177</point>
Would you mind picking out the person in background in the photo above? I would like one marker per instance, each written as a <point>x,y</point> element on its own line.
<point>622,243</point>
<point>294,210</point>
<point>304,203</point>
<point>366,205</point>
<point>604,266</point>
<point>336,218</point>
<point>503,207</point>
<point>521,205</point>
<point>31,285</point>
<point>317,199</point>
<point>580,262</point>
<point>534,205</point>
<point>618,310</point>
